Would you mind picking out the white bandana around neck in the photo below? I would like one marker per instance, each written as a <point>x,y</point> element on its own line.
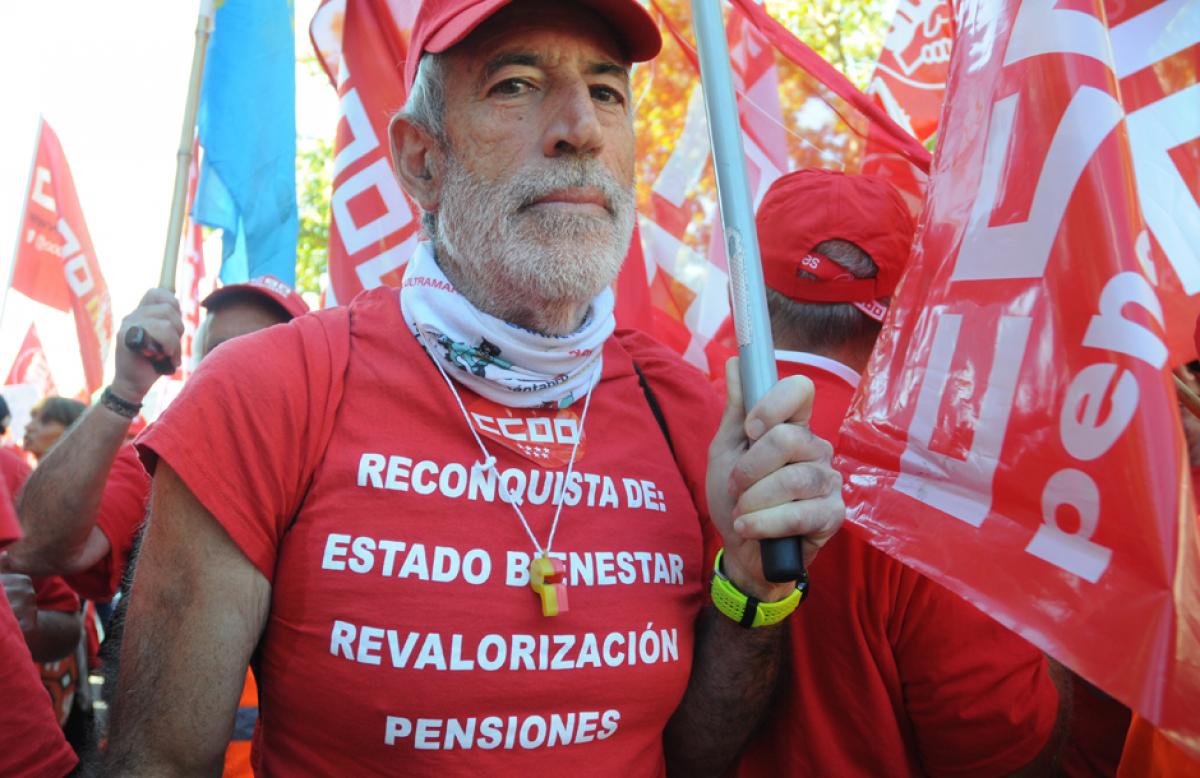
<point>503,362</point>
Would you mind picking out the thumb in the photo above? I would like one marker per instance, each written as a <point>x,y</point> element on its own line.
<point>730,434</point>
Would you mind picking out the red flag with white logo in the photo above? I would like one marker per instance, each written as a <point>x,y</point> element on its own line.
<point>910,78</point>
<point>55,262</point>
<point>362,46</point>
<point>30,366</point>
<point>1017,437</point>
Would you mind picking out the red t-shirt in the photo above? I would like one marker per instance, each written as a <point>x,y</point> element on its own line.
<point>403,635</point>
<point>31,743</point>
<point>14,470</point>
<point>892,674</point>
<point>122,510</point>
<point>53,594</point>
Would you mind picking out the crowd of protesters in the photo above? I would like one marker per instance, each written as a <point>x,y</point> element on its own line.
<point>327,544</point>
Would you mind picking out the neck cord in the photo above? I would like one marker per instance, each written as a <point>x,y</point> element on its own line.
<point>489,461</point>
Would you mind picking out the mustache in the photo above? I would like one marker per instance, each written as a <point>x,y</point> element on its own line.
<point>530,185</point>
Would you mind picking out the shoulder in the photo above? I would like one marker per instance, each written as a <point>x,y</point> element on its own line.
<point>670,377</point>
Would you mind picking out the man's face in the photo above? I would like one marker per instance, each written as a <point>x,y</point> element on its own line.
<point>537,193</point>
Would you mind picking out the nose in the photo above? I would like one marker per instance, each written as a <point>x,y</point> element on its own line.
<point>574,127</point>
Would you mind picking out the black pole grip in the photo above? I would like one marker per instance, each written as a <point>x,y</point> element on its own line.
<point>139,341</point>
<point>783,559</point>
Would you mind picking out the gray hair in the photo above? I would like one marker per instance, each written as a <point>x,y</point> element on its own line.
<point>822,327</point>
<point>426,108</point>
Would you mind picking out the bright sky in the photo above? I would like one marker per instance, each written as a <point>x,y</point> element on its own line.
<point>111,79</point>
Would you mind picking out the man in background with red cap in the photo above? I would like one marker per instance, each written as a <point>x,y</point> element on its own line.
<point>83,507</point>
<point>910,679</point>
<point>459,526</point>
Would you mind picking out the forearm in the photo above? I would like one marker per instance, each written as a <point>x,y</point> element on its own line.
<point>55,636</point>
<point>734,673</point>
<point>60,501</point>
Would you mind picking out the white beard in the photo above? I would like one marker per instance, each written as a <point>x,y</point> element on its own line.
<point>516,258</point>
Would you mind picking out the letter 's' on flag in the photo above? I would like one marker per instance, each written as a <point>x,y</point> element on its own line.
<point>247,126</point>
<point>55,262</point>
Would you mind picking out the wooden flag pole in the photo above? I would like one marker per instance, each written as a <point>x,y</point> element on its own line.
<point>782,559</point>
<point>136,338</point>
<point>204,27</point>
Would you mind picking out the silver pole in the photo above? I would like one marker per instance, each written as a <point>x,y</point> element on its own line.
<point>781,558</point>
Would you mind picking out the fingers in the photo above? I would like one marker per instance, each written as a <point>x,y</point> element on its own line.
<point>816,519</point>
<point>789,400</point>
<point>799,481</point>
<point>161,318</point>
<point>782,445</point>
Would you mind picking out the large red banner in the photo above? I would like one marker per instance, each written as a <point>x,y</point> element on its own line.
<point>362,45</point>
<point>55,262</point>
<point>1017,437</point>
<point>31,367</point>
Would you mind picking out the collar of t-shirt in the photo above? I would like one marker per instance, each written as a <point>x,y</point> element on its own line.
<point>501,361</point>
<point>831,366</point>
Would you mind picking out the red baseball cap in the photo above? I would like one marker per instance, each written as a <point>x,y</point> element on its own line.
<point>269,287</point>
<point>440,24</point>
<point>807,207</point>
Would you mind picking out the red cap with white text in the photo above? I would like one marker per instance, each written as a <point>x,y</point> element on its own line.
<point>440,24</point>
<point>808,207</point>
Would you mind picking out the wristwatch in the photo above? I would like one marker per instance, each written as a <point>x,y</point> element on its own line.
<point>746,610</point>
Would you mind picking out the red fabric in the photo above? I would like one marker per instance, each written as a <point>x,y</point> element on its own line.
<point>810,206</point>
<point>30,365</point>
<point>14,470</point>
<point>312,409</point>
<point>1149,754</point>
<point>31,743</point>
<point>55,263</point>
<point>10,528</point>
<point>122,510</point>
<point>53,594</point>
<point>440,24</point>
<point>1096,734</point>
<point>892,674</point>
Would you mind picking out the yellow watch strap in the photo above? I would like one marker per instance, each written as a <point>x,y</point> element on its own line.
<point>746,610</point>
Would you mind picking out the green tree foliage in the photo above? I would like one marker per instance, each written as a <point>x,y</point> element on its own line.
<point>314,184</point>
<point>849,34</point>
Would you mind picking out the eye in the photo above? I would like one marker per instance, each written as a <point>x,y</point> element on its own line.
<point>606,94</point>
<point>511,87</point>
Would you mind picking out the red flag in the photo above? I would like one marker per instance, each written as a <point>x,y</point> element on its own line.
<point>796,111</point>
<point>1017,437</point>
<point>910,77</point>
<point>362,45</point>
<point>55,263</point>
<point>31,367</point>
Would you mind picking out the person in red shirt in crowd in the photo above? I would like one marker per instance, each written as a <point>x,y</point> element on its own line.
<point>85,504</point>
<point>459,526</point>
<point>32,743</point>
<point>909,679</point>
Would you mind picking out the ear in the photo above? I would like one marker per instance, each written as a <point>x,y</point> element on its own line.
<point>416,158</point>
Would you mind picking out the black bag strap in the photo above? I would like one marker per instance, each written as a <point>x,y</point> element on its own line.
<point>655,408</point>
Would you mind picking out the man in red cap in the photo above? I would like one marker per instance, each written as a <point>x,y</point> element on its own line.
<point>909,678</point>
<point>465,534</point>
<point>83,507</point>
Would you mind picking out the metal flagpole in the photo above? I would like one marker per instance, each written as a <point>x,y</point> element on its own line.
<point>136,338</point>
<point>782,558</point>
<point>12,268</point>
